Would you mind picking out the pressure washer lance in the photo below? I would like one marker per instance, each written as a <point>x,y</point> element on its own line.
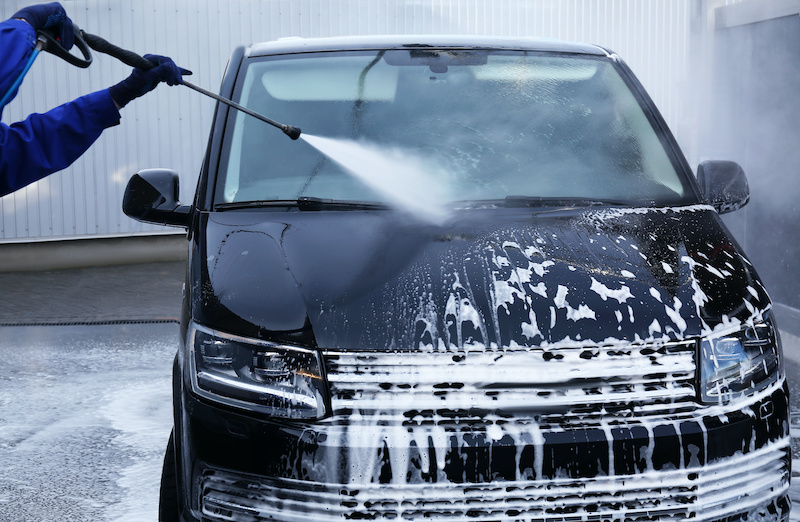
<point>134,60</point>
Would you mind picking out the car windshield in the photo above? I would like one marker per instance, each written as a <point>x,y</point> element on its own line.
<point>478,125</point>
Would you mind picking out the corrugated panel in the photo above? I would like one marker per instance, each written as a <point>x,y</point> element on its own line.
<point>169,127</point>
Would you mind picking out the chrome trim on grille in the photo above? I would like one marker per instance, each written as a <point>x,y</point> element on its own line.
<point>576,383</point>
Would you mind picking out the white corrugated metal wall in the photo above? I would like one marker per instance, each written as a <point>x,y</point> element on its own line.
<point>169,127</point>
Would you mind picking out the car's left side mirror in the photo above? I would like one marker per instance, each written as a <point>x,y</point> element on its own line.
<point>724,185</point>
<point>152,196</point>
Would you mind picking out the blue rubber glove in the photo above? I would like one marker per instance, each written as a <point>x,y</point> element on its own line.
<point>49,17</point>
<point>141,82</point>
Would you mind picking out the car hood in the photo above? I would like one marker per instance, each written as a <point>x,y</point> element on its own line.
<point>490,278</point>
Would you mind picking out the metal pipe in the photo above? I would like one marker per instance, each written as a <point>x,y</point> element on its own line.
<point>292,132</point>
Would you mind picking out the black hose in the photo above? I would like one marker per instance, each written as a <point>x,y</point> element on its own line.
<point>100,322</point>
<point>102,45</point>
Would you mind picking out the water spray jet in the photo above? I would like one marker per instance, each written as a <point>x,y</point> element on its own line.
<point>408,182</point>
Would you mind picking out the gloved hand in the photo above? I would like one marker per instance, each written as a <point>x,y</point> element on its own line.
<point>141,82</point>
<point>49,16</point>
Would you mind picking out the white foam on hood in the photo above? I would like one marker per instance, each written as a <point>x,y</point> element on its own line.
<point>621,294</point>
<point>573,314</point>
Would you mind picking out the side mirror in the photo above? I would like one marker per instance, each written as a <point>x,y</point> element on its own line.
<point>723,184</point>
<point>152,196</point>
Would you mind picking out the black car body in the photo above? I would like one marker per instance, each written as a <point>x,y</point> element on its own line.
<point>575,336</point>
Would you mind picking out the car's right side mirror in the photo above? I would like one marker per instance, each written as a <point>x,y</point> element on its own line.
<point>152,196</point>
<point>724,185</point>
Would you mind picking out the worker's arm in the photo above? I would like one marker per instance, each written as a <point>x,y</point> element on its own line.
<point>49,142</point>
<point>43,143</point>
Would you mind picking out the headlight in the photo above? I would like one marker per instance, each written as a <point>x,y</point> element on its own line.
<point>740,364</point>
<point>279,380</point>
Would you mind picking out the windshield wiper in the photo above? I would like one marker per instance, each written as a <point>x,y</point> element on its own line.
<point>256,204</point>
<point>306,203</point>
<point>541,201</point>
<point>309,203</point>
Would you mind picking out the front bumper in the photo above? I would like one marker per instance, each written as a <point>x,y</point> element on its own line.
<point>602,441</point>
<point>733,466</point>
<point>745,487</point>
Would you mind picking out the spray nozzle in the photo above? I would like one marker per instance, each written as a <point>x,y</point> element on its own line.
<point>292,132</point>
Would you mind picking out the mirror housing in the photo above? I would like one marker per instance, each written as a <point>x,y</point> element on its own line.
<point>152,197</point>
<point>723,185</point>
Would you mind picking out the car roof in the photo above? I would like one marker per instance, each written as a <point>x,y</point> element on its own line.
<point>349,43</point>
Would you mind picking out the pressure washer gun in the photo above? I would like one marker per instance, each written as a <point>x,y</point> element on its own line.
<point>84,41</point>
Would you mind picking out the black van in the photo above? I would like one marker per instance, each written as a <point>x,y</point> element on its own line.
<point>551,324</point>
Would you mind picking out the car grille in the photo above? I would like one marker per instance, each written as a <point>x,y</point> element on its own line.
<point>560,385</point>
<point>744,487</point>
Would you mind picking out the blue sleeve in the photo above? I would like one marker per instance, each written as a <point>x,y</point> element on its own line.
<point>49,142</point>
<point>17,40</point>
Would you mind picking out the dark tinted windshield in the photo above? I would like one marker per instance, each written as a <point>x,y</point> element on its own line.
<point>482,125</point>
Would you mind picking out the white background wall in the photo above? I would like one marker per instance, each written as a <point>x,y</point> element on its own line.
<point>169,127</point>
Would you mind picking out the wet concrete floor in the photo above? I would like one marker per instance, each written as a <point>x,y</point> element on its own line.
<point>85,397</point>
<point>85,393</point>
<point>85,415</point>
